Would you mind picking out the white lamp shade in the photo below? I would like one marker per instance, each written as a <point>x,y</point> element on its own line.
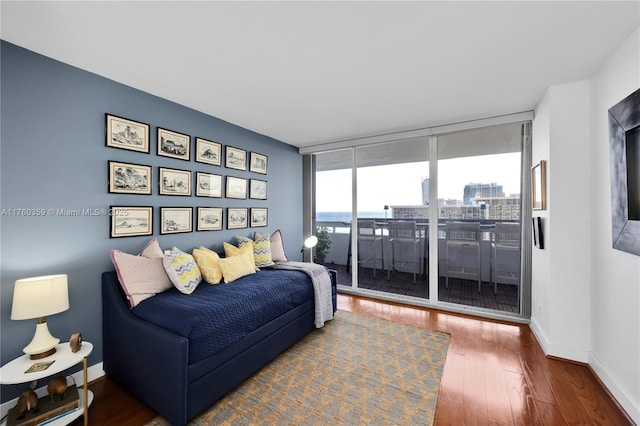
<point>311,241</point>
<point>40,296</point>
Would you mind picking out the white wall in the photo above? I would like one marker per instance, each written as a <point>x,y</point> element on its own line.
<point>585,295</point>
<point>561,278</point>
<point>615,283</point>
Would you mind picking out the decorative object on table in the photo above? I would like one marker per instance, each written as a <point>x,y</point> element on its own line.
<point>39,366</point>
<point>235,158</point>
<point>208,185</point>
<point>259,217</point>
<point>258,163</point>
<point>127,134</point>
<point>36,298</point>
<point>324,244</point>
<point>208,152</point>
<point>236,188</point>
<point>128,178</point>
<point>175,220</point>
<point>48,409</point>
<point>173,144</point>
<point>258,189</point>
<point>131,221</point>
<point>236,218</point>
<point>75,342</point>
<point>539,186</point>
<point>209,219</point>
<point>57,386</point>
<point>624,161</point>
<point>27,401</point>
<point>174,181</point>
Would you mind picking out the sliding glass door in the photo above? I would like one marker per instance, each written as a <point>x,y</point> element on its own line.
<point>441,230</point>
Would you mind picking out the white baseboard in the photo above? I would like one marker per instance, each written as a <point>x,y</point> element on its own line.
<point>93,372</point>
<point>555,350</point>
<point>626,402</point>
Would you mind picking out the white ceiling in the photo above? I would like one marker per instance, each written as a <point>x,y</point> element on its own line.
<point>314,72</point>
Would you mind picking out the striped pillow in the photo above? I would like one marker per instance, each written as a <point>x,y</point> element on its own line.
<point>261,249</point>
<point>182,269</point>
<point>141,277</point>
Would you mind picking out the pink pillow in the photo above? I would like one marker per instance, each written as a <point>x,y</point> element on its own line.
<point>277,246</point>
<point>141,276</point>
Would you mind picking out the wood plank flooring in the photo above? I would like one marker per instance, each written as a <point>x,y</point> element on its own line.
<point>495,374</point>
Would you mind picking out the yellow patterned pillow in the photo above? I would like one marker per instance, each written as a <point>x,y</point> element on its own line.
<point>237,266</point>
<point>182,270</point>
<point>207,261</point>
<point>231,250</point>
<point>261,248</point>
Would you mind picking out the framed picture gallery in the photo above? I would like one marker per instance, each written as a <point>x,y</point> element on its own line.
<point>123,133</point>
<point>173,144</point>
<point>131,221</point>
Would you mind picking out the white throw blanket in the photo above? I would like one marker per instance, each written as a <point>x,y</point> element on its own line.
<point>321,287</point>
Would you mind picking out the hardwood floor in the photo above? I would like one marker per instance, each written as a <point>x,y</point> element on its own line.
<point>495,374</point>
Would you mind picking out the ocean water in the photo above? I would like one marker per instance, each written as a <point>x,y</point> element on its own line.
<point>346,216</point>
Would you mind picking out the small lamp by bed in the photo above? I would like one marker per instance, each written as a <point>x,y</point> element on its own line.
<point>36,298</point>
<point>310,242</point>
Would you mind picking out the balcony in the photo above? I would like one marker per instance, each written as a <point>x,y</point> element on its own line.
<point>466,276</point>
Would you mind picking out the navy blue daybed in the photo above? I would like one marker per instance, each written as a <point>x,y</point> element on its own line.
<point>181,353</point>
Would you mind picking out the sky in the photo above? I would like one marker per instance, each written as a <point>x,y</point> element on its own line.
<point>400,184</point>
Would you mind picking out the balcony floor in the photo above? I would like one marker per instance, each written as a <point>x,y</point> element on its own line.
<point>462,292</point>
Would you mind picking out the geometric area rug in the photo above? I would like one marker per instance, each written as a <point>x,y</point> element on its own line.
<point>356,369</point>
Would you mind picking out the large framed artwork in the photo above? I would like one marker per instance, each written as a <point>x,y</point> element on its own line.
<point>173,144</point>
<point>624,163</point>
<point>131,221</point>
<point>174,181</point>
<point>175,220</point>
<point>128,178</point>
<point>123,133</point>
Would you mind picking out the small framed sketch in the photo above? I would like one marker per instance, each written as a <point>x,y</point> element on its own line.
<point>209,219</point>
<point>258,163</point>
<point>175,220</point>
<point>259,217</point>
<point>127,178</point>
<point>174,181</point>
<point>127,134</point>
<point>208,185</point>
<point>236,188</point>
<point>173,144</point>
<point>538,186</point>
<point>208,152</point>
<point>236,218</point>
<point>235,158</point>
<point>127,221</point>
<point>258,189</point>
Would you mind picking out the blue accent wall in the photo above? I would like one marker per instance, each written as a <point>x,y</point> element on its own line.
<point>53,156</point>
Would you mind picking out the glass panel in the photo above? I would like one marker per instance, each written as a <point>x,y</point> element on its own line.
<point>333,201</point>
<point>392,228</point>
<point>479,217</point>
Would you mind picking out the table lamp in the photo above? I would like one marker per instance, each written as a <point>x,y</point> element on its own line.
<point>310,242</point>
<point>36,298</point>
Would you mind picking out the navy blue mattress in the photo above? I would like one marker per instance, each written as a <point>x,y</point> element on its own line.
<point>214,317</point>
